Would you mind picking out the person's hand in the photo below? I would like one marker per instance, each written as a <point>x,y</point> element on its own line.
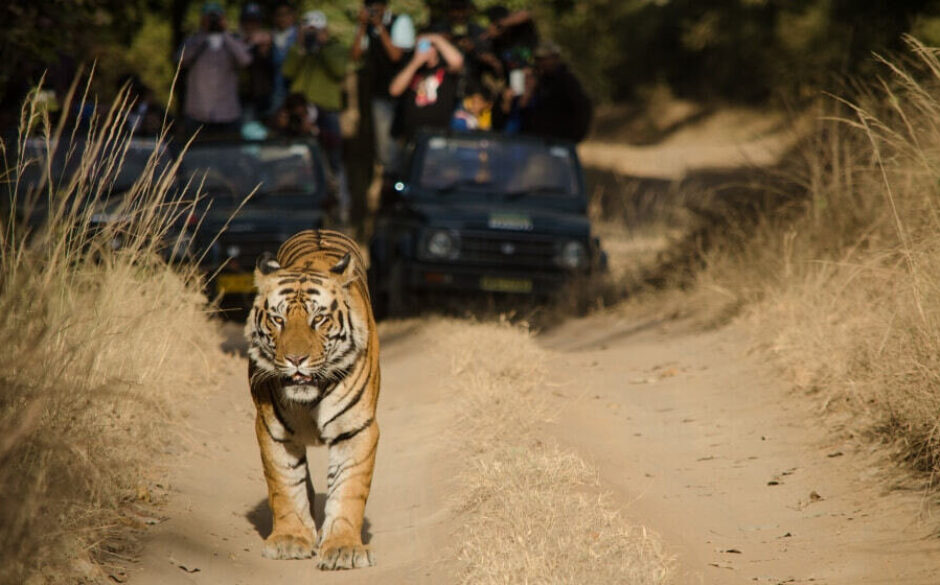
<point>421,57</point>
<point>507,98</point>
<point>376,18</point>
<point>323,35</point>
<point>531,80</point>
<point>531,83</point>
<point>260,39</point>
<point>492,31</point>
<point>364,16</point>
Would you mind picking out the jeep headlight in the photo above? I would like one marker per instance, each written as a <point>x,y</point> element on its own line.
<point>572,255</point>
<point>442,244</point>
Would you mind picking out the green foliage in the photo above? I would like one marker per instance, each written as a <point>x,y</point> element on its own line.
<point>732,49</point>
<point>154,39</point>
<point>40,33</point>
<point>744,50</point>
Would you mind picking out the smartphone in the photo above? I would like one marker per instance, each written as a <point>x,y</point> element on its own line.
<point>517,81</point>
<point>424,45</point>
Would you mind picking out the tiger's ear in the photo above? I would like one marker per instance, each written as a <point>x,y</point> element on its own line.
<point>265,266</point>
<point>343,268</point>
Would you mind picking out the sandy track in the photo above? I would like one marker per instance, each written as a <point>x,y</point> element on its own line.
<point>705,445</point>
<point>687,429</point>
<point>217,513</point>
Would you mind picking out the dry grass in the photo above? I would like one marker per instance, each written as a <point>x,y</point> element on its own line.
<point>846,285</point>
<point>100,348</point>
<point>532,512</point>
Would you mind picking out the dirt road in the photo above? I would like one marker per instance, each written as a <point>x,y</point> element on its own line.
<point>695,438</point>
<point>217,514</point>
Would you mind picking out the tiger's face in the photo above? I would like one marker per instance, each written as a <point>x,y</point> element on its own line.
<point>303,327</point>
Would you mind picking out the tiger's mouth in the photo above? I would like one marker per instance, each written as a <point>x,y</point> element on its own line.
<point>300,379</point>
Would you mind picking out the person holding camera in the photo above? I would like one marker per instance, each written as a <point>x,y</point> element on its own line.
<point>316,64</point>
<point>554,104</point>
<point>212,58</point>
<point>428,86</point>
<point>382,41</point>
<point>258,83</point>
<point>283,36</point>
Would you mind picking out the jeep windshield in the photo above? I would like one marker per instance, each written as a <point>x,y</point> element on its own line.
<point>228,172</point>
<point>115,167</point>
<point>506,168</point>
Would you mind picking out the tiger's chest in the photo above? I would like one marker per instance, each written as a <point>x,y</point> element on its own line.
<point>299,417</point>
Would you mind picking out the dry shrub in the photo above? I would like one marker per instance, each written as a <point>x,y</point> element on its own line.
<point>100,348</point>
<point>848,291</point>
<point>533,512</point>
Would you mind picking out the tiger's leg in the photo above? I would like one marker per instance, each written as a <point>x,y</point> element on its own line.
<point>349,478</point>
<point>285,470</point>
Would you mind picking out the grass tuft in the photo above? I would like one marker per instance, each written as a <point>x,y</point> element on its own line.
<point>533,513</point>
<point>101,344</point>
<point>842,275</point>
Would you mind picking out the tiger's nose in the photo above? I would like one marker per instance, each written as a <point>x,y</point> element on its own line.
<point>295,359</point>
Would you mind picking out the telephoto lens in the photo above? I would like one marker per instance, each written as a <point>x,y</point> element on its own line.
<point>311,40</point>
<point>214,23</point>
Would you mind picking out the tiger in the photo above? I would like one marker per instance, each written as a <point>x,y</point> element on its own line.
<point>313,369</point>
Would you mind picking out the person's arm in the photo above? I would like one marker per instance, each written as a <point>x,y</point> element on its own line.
<point>400,39</point>
<point>516,18</point>
<point>401,82</point>
<point>499,28</point>
<point>451,54</point>
<point>334,59</point>
<point>581,108</point>
<point>356,50</point>
<point>192,47</point>
<point>394,53</point>
<point>237,49</point>
<point>291,66</point>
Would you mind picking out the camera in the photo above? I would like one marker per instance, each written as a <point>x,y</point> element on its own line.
<point>311,40</point>
<point>214,22</point>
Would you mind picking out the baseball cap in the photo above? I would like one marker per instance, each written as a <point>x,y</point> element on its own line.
<point>497,12</point>
<point>547,48</point>
<point>251,11</point>
<point>314,18</point>
<point>212,8</point>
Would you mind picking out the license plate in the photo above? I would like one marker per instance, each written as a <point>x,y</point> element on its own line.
<point>508,285</point>
<point>235,283</point>
<point>510,221</point>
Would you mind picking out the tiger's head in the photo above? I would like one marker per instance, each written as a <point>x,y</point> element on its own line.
<point>305,326</point>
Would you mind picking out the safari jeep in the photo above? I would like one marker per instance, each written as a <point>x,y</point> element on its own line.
<point>482,212</point>
<point>289,185</point>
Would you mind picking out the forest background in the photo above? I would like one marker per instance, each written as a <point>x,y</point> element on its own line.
<point>729,50</point>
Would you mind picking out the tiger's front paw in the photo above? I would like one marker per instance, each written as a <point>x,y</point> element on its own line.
<point>287,546</point>
<point>344,556</point>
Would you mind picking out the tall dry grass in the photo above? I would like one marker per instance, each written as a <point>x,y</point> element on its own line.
<point>101,346</point>
<point>846,281</point>
<point>531,512</point>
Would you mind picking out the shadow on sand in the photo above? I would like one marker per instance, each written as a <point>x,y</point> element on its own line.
<point>262,520</point>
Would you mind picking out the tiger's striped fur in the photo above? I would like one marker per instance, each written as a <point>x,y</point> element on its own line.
<point>314,375</point>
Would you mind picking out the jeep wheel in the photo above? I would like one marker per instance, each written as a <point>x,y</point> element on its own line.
<point>396,294</point>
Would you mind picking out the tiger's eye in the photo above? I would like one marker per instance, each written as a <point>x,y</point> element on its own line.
<point>278,320</point>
